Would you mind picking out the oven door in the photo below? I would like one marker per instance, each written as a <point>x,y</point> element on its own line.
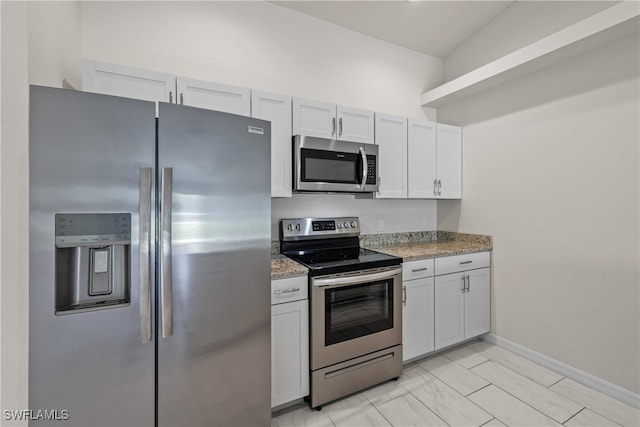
<point>355,314</point>
<point>328,165</point>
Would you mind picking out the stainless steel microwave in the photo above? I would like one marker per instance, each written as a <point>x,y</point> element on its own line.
<point>329,165</point>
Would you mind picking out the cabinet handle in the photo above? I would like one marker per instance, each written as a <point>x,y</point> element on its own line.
<point>415,270</point>
<point>333,121</point>
<point>170,97</point>
<point>404,295</point>
<point>435,187</point>
<point>287,291</point>
<point>340,123</point>
<point>465,262</point>
<point>468,283</point>
<point>182,99</point>
<point>464,283</point>
<point>439,188</point>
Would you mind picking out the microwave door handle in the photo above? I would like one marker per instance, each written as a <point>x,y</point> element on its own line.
<point>363,155</point>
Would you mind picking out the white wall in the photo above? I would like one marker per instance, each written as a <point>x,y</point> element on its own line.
<point>261,46</point>
<point>14,217</point>
<point>267,47</point>
<point>535,20</point>
<point>551,170</point>
<point>40,45</point>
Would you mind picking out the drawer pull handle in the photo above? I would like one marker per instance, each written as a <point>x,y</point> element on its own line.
<point>286,291</point>
<point>465,262</point>
<point>415,270</point>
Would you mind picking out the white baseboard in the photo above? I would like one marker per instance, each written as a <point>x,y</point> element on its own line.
<point>617,392</point>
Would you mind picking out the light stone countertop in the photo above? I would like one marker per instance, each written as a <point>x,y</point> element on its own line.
<point>283,267</point>
<point>409,246</point>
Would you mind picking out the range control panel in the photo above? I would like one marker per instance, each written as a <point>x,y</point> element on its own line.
<point>314,228</point>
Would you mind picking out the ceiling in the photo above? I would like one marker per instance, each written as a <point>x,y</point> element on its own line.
<point>416,25</point>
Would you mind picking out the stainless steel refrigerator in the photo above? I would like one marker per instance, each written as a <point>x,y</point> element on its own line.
<point>149,262</point>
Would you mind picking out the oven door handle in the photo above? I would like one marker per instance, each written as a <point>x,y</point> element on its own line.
<point>355,279</point>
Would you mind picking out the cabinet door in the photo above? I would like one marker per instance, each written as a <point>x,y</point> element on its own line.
<point>449,161</point>
<point>355,125</point>
<point>314,118</point>
<point>417,318</point>
<point>128,82</point>
<point>421,162</point>
<point>214,96</point>
<point>477,307</point>
<point>391,136</point>
<point>289,351</point>
<point>449,309</point>
<point>277,109</point>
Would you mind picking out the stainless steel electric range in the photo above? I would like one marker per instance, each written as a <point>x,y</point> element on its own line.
<point>355,306</point>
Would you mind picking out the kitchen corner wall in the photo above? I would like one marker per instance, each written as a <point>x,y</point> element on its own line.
<point>263,46</point>
<point>551,170</point>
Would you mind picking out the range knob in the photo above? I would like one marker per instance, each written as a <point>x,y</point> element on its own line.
<point>298,227</point>
<point>290,227</point>
<point>354,224</point>
<point>339,224</point>
<point>346,224</point>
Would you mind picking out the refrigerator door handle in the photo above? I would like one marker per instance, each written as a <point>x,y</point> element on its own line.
<point>145,255</point>
<point>166,291</point>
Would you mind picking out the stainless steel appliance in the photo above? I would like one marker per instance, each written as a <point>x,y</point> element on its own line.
<point>329,165</point>
<point>149,263</point>
<point>355,306</point>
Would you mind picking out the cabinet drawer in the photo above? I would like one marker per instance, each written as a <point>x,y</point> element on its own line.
<point>451,264</point>
<point>417,269</point>
<point>289,289</point>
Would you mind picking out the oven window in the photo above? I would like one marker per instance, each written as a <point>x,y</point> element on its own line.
<point>359,310</point>
<point>330,166</point>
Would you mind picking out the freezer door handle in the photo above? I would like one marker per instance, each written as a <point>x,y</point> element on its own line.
<point>166,291</point>
<point>145,254</point>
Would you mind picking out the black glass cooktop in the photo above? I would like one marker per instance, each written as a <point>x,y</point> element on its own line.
<point>332,261</point>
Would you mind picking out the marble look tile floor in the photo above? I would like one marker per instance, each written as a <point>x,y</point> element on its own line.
<point>477,384</point>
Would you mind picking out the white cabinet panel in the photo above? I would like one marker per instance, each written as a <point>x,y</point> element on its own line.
<point>128,82</point>
<point>214,96</point>
<point>462,298</point>
<point>391,137</point>
<point>276,109</point>
<point>452,264</point>
<point>289,289</point>
<point>417,269</point>
<point>421,159</point>
<point>314,118</point>
<point>477,313</point>
<point>355,124</point>
<point>449,310</point>
<point>449,161</point>
<point>289,351</point>
<point>417,318</point>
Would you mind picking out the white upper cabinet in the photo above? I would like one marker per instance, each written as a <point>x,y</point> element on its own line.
<point>449,161</point>
<point>391,137</point>
<point>214,96</point>
<point>314,118</point>
<point>355,124</point>
<point>324,120</point>
<point>421,159</point>
<point>276,109</point>
<point>435,160</point>
<point>128,82</point>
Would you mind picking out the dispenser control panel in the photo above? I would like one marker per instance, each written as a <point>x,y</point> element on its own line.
<point>92,229</point>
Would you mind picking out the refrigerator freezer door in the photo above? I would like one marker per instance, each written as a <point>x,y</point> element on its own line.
<point>86,152</point>
<point>215,369</point>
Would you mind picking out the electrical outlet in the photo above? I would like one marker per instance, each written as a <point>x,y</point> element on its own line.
<point>424,223</point>
<point>381,225</point>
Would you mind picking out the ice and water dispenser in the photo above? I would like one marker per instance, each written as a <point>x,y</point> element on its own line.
<point>92,261</point>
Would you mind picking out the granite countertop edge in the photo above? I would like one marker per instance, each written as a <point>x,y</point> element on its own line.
<point>410,246</point>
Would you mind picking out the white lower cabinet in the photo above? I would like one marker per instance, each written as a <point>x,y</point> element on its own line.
<point>289,340</point>
<point>417,309</point>
<point>462,299</point>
